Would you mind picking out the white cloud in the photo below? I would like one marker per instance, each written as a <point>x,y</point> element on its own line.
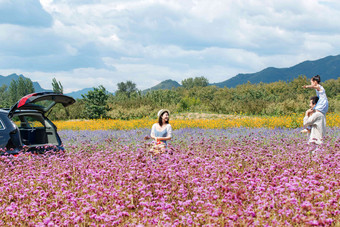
<point>86,43</point>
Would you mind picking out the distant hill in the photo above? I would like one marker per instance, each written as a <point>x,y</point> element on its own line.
<point>77,94</point>
<point>7,80</point>
<point>166,84</point>
<point>327,68</point>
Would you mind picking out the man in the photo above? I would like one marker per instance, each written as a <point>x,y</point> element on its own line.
<point>316,120</point>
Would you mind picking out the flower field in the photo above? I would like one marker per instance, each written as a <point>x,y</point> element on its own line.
<point>214,177</point>
<point>291,121</point>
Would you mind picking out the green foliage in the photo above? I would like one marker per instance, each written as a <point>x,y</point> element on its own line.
<point>16,90</point>
<point>3,96</point>
<point>95,102</point>
<point>162,97</point>
<point>142,105</point>
<point>74,111</point>
<point>188,104</point>
<point>278,98</point>
<point>195,82</point>
<point>332,87</point>
<point>126,89</point>
<point>57,86</point>
<point>127,114</point>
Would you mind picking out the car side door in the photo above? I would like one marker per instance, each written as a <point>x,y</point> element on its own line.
<point>4,134</point>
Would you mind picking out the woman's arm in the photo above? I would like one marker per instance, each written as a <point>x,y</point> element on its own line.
<point>162,138</point>
<point>152,134</point>
<point>169,134</point>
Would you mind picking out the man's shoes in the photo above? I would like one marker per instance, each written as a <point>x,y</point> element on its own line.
<point>304,131</point>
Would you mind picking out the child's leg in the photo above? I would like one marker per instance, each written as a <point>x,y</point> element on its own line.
<point>306,130</point>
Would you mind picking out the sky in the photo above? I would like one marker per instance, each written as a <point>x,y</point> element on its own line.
<point>87,43</point>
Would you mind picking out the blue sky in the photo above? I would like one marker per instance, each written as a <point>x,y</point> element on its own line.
<point>87,43</point>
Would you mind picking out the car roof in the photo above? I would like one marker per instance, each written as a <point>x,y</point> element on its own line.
<point>4,111</point>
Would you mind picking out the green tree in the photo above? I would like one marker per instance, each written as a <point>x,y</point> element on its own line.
<point>188,83</point>
<point>12,92</point>
<point>195,82</point>
<point>201,81</point>
<point>332,87</point>
<point>25,87</point>
<point>19,88</point>
<point>96,103</point>
<point>57,86</point>
<point>3,96</point>
<point>208,97</point>
<point>126,89</point>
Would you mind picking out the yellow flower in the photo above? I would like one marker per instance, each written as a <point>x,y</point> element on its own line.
<point>290,121</point>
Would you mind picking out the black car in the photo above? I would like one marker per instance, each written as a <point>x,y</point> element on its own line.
<point>25,126</point>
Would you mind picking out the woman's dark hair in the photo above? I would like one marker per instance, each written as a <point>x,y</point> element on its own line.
<point>160,122</point>
<point>316,78</point>
<point>314,99</point>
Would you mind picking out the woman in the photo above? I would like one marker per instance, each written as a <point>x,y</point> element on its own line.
<point>161,132</point>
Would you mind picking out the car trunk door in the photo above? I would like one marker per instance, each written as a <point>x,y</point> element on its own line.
<point>41,101</point>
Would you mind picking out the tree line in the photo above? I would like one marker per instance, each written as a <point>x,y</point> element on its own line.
<point>195,95</point>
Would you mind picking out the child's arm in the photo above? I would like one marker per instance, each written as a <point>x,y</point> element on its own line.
<point>317,87</point>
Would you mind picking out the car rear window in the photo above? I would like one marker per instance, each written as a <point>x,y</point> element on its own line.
<point>28,121</point>
<point>45,103</point>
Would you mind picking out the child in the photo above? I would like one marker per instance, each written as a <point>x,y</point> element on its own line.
<point>322,104</point>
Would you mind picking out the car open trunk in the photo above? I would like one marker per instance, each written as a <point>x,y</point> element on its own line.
<point>41,101</point>
<point>35,130</point>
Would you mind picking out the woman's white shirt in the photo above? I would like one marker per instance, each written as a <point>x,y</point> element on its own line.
<point>168,130</point>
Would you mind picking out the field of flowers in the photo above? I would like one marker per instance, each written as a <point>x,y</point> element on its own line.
<point>214,177</point>
<point>291,121</point>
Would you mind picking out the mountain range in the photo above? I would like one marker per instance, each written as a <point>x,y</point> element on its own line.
<point>7,81</point>
<point>327,67</point>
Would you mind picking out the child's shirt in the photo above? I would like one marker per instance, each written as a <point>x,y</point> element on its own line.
<point>322,104</point>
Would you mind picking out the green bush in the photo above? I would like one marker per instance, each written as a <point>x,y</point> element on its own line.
<point>127,114</point>
<point>278,98</point>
